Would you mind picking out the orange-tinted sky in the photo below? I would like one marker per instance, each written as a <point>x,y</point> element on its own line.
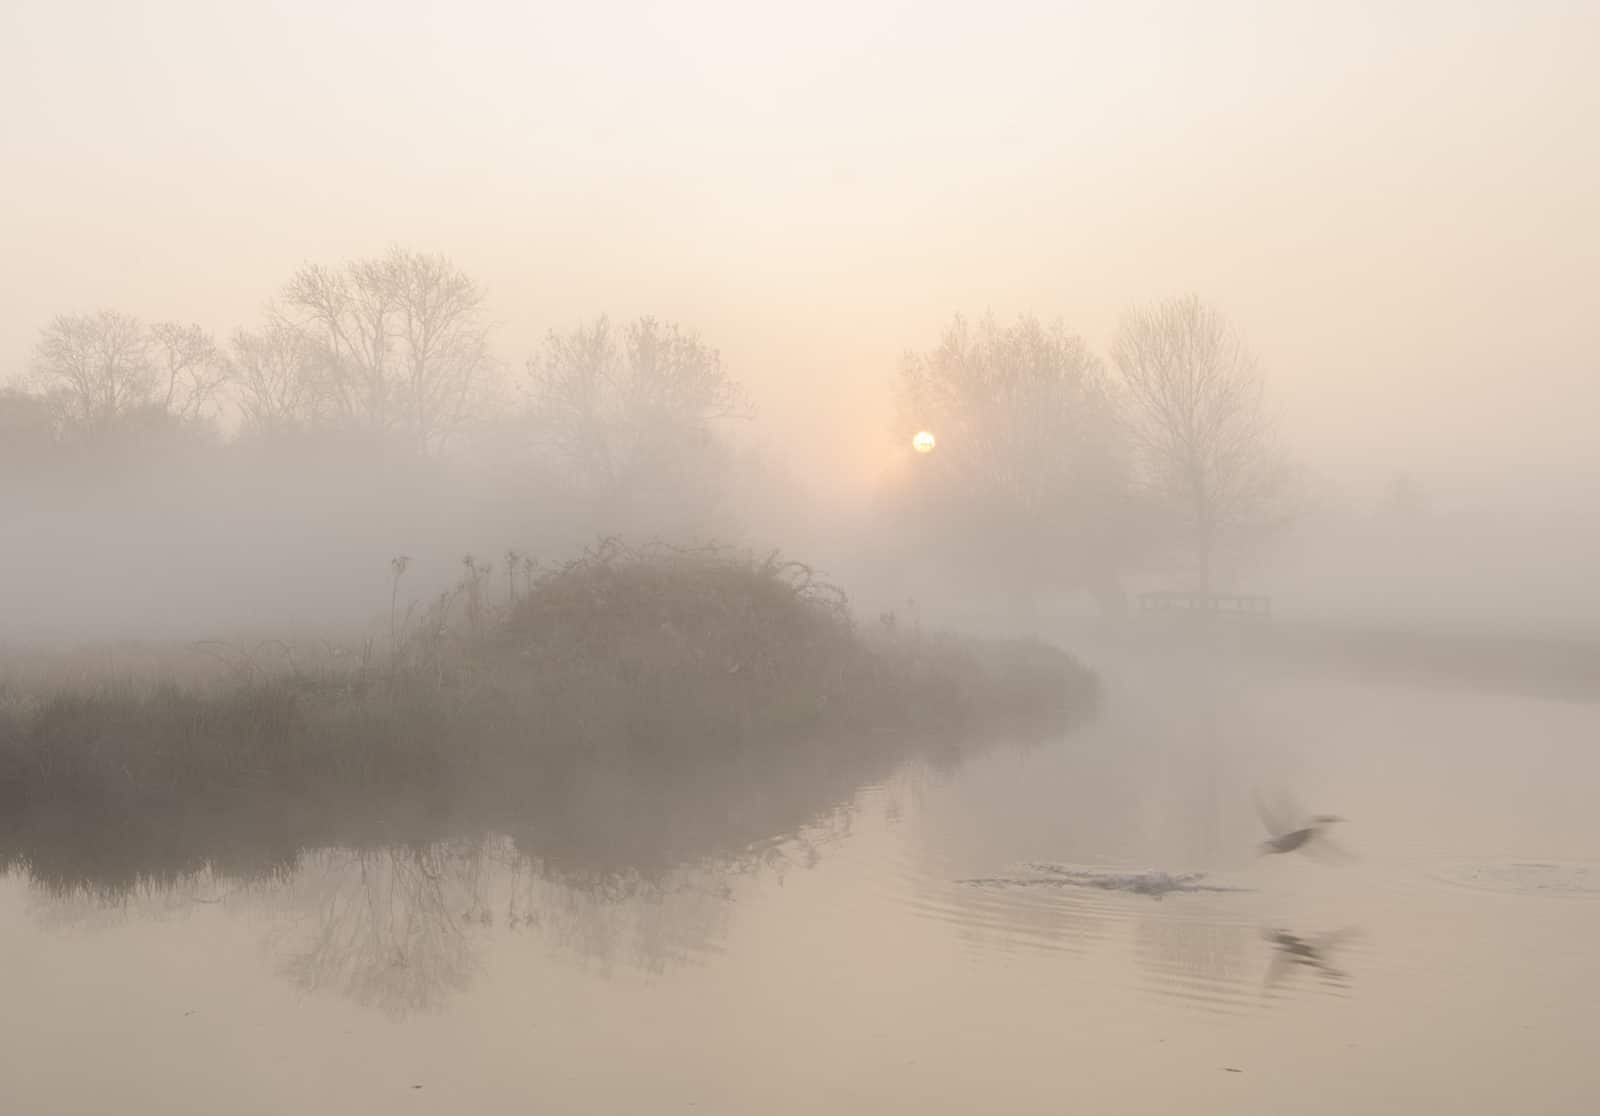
<point>1399,204</point>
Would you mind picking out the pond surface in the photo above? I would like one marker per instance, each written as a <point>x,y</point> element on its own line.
<point>1084,926</point>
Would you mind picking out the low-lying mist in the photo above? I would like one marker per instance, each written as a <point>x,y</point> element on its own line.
<point>161,484</point>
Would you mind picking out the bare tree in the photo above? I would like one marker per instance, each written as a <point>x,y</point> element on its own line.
<point>1028,479</point>
<point>622,413</point>
<point>190,369</point>
<point>405,339</point>
<point>108,368</point>
<point>278,373</point>
<point>100,362</point>
<point>1206,449</point>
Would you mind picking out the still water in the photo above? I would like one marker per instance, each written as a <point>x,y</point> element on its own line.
<point>1080,926</point>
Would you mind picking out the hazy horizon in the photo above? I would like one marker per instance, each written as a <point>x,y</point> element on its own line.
<point>1398,208</point>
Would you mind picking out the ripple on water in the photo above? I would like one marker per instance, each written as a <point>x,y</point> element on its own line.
<point>1214,965</point>
<point>1202,941</point>
<point>1187,936</point>
<point>990,918</point>
<point>1560,879</point>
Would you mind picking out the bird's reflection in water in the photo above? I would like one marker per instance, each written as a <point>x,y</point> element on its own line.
<point>1292,952</point>
<point>1212,964</point>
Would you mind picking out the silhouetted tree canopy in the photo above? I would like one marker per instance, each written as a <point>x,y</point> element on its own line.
<point>1028,479</point>
<point>104,367</point>
<point>1205,448</point>
<point>401,348</point>
<point>631,417</point>
<point>279,372</point>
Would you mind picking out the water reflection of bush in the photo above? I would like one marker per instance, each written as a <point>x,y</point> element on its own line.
<point>402,928</point>
<point>388,896</point>
<point>388,928</point>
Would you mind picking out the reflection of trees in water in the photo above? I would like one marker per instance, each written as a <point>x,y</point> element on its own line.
<point>381,911</point>
<point>652,919</point>
<point>400,928</point>
<point>652,924</point>
<point>389,928</point>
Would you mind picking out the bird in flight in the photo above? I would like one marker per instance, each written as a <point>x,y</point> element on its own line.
<point>1289,832</point>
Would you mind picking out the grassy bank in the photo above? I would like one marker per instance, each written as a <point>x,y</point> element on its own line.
<point>627,709</point>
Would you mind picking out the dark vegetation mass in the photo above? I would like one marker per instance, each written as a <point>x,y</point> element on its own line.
<point>632,708</point>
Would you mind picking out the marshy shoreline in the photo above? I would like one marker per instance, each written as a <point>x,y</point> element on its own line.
<point>630,710</point>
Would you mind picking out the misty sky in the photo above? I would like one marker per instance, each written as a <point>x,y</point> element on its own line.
<point>1398,204</point>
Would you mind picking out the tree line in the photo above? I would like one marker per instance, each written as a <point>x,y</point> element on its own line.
<point>1054,468</point>
<point>1058,470</point>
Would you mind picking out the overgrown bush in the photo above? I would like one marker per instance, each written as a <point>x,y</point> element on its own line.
<point>643,703</point>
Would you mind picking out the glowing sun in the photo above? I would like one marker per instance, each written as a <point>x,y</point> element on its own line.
<point>923,442</point>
